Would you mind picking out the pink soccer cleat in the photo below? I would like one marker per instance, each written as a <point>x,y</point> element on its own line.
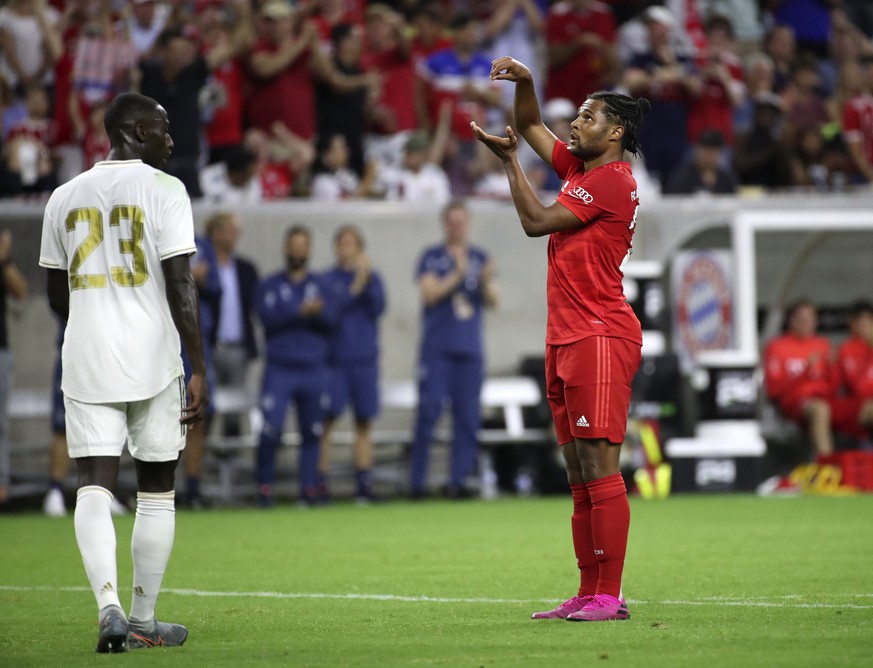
<point>562,611</point>
<point>601,608</point>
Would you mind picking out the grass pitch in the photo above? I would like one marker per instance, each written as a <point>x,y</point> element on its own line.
<point>711,581</point>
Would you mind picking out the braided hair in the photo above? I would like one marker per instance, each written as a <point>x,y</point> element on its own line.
<point>625,111</point>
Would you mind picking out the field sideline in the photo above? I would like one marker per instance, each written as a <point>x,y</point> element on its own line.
<point>719,580</point>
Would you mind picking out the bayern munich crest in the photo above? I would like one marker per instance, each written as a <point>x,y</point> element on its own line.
<point>703,300</point>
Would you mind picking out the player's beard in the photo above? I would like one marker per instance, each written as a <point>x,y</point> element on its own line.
<point>296,263</point>
<point>588,151</point>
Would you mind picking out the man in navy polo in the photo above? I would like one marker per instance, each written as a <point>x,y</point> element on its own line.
<point>456,283</point>
<point>354,355</point>
<point>298,310</point>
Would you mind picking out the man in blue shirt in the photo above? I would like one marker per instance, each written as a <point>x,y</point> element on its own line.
<point>456,283</point>
<point>354,355</point>
<point>298,310</point>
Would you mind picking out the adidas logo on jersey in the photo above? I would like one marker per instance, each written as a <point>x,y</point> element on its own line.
<point>582,422</point>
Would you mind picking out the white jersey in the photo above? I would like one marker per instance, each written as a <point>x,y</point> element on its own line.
<point>109,229</point>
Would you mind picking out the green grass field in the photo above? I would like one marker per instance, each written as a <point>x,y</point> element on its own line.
<point>711,581</point>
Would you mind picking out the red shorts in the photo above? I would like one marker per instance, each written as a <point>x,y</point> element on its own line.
<point>845,412</point>
<point>588,385</point>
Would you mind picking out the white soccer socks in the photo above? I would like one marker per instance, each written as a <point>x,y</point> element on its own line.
<point>150,547</point>
<point>95,534</point>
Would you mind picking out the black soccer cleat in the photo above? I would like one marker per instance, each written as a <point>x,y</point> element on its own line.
<point>113,632</point>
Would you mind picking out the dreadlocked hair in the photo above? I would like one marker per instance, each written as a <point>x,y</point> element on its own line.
<point>626,111</point>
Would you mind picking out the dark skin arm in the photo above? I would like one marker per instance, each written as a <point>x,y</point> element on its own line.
<point>58,291</point>
<point>537,220</point>
<point>526,107</point>
<point>185,309</point>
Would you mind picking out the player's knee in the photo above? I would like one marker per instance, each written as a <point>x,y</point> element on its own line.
<point>575,474</point>
<point>818,410</point>
<point>866,416</point>
<point>155,477</point>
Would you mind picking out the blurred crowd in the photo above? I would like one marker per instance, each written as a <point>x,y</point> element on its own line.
<point>342,99</point>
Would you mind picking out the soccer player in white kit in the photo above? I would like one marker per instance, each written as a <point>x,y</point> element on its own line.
<point>116,242</point>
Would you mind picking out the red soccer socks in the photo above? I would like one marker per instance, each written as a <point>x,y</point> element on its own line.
<point>610,521</point>
<point>583,540</point>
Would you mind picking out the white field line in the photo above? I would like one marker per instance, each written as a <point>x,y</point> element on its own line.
<point>787,601</point>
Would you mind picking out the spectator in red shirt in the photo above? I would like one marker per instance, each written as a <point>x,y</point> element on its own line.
<point>387,51</point>
<point>857,117</point>
<point>855,362</point>
<point>95,143</point>
<point>722,89</point>
<point>281,71</point>
<point>798,375</point>
<point>580,35</point>
<point>28,150</point>
<point>227,34</point>
<point>283,160</point>
<point>286,61</point>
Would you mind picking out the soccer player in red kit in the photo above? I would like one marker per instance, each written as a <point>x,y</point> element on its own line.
<point>855,371</point>
<point>593,338</point>
<point>799,378</point>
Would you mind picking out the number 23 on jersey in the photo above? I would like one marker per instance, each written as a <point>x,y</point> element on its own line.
<point>121,276</point>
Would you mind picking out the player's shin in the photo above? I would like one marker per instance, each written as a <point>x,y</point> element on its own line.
<point>150,546</point>
<point>95,534</point>
<point>583,541</point>
<point>610,522</point>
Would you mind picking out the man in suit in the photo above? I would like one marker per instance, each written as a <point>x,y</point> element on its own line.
<point>233,334</point>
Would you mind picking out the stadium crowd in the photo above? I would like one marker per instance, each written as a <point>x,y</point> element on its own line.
<point>347,99</point>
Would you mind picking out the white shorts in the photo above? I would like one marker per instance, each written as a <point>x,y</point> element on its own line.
<point>151,426</point>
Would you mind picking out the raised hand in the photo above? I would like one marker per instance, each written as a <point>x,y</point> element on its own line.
<point>507,68</point>
<point>503,147</point>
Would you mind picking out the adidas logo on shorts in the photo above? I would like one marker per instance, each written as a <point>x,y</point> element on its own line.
<point>582,422</point>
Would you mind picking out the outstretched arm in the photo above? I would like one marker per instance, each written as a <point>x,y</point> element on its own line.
<point>536,219</point>
<point>526,109</point>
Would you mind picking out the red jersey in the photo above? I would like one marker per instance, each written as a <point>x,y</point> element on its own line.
<point>796,369</point>
<point>585,294</point>
<point>226,125</point>
<point>398,87</point>
<point>289,96</point>
<point>583,73</point>
<point>276,181</point>
<point>712,109</point>
<point>858,122</point>
<point>42,130</point>
<point>855,363</point>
